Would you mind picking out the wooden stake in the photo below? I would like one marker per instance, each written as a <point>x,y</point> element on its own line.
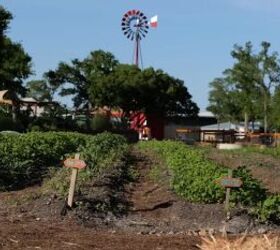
<point>227,205</point>
<point>73,183</point>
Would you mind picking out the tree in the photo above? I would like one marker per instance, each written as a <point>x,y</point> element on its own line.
<point>222,101</point>
<point>150,91</point>
<point>15,63</point>
<point>268,78</point>
<point>100,80</point>
<point>251,80</point>
<point>41,90</point>
<point>76,77</point>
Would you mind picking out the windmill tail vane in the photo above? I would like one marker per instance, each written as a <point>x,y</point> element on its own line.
<point>135,26</point>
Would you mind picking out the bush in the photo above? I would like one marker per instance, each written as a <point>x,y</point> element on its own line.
<point>102,148</point>
<point>7,123</point>
<point>269,209</point>
<point>101,152</point>
<point>26,156</point>
<point>101,123</point>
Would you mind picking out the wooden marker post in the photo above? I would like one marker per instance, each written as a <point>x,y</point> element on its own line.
<point>75,164</point>
<point>228,183</point>
<point>227,205</point>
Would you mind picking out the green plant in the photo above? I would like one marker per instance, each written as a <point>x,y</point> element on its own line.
<point>269,209</point>
<point>251,192</point>
<point>101,152</point>
<point>26,157</point>
<point>101,123</point>
<point>194,177</point>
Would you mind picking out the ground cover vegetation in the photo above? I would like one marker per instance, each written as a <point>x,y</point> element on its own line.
<point>194,178</point>
<point>26,159</point>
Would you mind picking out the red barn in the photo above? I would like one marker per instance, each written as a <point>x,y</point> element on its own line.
<point>139,120</point>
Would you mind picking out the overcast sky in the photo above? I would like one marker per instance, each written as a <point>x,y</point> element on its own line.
<point>193,40</point>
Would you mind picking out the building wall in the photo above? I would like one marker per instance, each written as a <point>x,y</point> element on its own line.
<point>170,132</point>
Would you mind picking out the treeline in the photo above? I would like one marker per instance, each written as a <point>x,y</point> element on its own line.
<point>249,91</point>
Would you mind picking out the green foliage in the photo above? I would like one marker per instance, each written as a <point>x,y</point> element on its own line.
<point>40,90</point>
<point>7,123</point>
<point>26,156</point>
<point>15,63</point>
<point>100,152</point>
<point>250,82</point>
<point>269,209</point>
<point>80,75</point>
<point>101,123</point>
<point>101,149</point>
<point>194,177</point>
<point>251,191</point>
<point>130,89</point>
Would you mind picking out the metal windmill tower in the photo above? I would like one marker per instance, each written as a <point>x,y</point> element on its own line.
<point>135,26</point>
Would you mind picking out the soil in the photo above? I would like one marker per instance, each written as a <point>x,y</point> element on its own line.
<point>265,168</point>
<point>151,215</point>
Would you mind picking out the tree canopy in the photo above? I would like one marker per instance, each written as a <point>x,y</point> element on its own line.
<point>100,80</point>
<point>15,63</point>
<point>75,78</point>
<point>248,86</point>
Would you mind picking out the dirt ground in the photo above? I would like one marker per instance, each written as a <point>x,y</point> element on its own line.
<point>156,218</point>
<point>264,167</point>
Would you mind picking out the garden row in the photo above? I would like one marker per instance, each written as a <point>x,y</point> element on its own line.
<point>195,178</point>
<point>27,158</point>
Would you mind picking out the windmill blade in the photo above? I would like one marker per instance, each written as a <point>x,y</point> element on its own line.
<point>127,32</point>
<point>144,30</point>
<point>141,33</point>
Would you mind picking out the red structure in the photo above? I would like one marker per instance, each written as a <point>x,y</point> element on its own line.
<point>139,120</point>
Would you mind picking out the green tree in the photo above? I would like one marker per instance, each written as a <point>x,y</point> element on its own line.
<point>41,90</point>
<point>76,77</point>
<point>151,91</point>
<point>15,63</point>
<point>249,83</point>
<point>268,78</point>
<point>222,101</point>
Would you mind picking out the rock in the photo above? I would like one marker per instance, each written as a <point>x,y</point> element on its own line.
<point>262,230</point>
<point>236,225</point>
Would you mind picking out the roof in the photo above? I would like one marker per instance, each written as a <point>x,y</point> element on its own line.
<point>28,99</point>
<point>222,126</point>
<point>205,114</point>
<point>6,97</point>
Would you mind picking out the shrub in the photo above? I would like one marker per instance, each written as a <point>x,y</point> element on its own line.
<point>102,148</point>
<point>269,209</point>
<point>101,152</point>
<point>26,156</point>
<point>7,123</point>
<point>101,123</point>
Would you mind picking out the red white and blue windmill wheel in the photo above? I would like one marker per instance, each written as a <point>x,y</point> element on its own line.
<point>135,25</point>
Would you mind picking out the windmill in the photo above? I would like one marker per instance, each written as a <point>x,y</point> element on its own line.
<point>135,26</point>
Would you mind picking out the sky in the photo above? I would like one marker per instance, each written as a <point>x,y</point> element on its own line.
<point>192,42</point>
